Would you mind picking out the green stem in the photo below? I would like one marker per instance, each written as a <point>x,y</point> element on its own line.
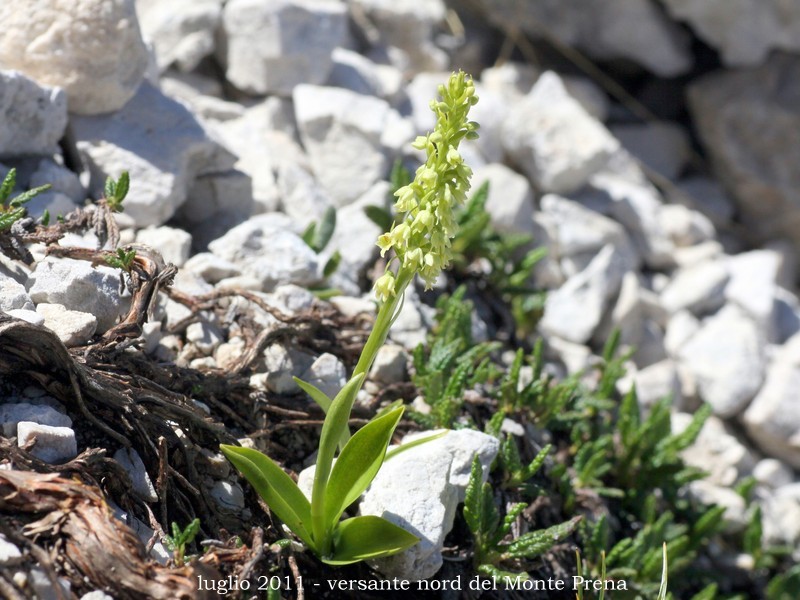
<point>383,322</point>
<point>343,404</point>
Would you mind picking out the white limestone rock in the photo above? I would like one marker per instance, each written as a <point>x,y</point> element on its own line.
<point>717,451</point>
<point>637,205</point>
<point>262,141</point>
<point>781,518</point>
<point>342,133</point>
<point>63,182</point>
<point>411,325</point>
<point>661,145</point>
<point>657,381</point>
<point>12,414</point>
<point>772,473</point>
<point>726,358</point>
<point>228,495</point>
<point>130,460</point>
<point>13,295</point>
<point>72,327</point>
<point>574,311</point>
<point>211,267</point>
<point>686,227</point>
<point>747,121</point>
<point>302,198</point>
<point>405,30</point>
<point>271,47</point>
<point>708,197</point>
<point>32,116</point>
<point>390,364</point>
<point>326,373</point>
<point>78,286</point>
<point>699,288</point>
<point>205,336</point>
<point>510,199</point>
<point>356,234</point>
<point>554,140</point>
<point>358,73</point>
<point>54,445</point>
<point>91,48</point>
<point>182,33</point>
<point>744,32</point>
<point>216,202</point>
<point>575,234</point>
<point>753,284</point>
<point>419,489</point>
<point>280,366</point>
<point>158,141</point>
<point>10,555</point>
<point>266,248</point>
<point>680,328</point>
<point>773,418</point>
<point>734,518</point>
<point>632,30</point>
<point>31,316</point>
<point>173,244</point>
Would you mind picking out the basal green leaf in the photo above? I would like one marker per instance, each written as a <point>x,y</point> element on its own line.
<point>317,395</point>
<point>277,489</point>
<point>334,427</point>
<point>358,464</point>
<point>367,537</point>
<point>418,442</point>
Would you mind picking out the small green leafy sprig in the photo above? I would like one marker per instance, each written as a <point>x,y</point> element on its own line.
<point>12,210</point>
<point>178,541</point>
<point>421,242</point>
<point>491,544</point>
<point>114,192</point>
<point>122,260</point>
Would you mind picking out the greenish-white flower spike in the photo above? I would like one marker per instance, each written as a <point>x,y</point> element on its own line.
<point>421,236</point>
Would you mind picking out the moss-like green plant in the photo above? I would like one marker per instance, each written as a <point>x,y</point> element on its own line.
<point>420,240</point>
<point>492,547</point>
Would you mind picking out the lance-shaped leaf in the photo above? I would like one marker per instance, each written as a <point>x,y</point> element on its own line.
<point>367,537</point>
<point>334,427</point>
<point>321,398</point>
<point>358,464</point>
<point>277,489</point>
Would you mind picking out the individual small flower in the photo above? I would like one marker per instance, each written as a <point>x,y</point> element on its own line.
<point>384,287</point>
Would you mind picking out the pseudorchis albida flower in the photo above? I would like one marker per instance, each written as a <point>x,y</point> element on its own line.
<point>425,225</point>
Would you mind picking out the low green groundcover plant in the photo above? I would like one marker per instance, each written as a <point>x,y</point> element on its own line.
<point>421,241</point>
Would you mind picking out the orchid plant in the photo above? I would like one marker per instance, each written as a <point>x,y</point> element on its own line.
<point>420,242</point>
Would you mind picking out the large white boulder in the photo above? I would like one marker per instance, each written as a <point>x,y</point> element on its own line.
<point>552,138</point>
<point>32,116</point>
<point>158,141</point>
<point>271,47</point>
<point>91,48</point>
